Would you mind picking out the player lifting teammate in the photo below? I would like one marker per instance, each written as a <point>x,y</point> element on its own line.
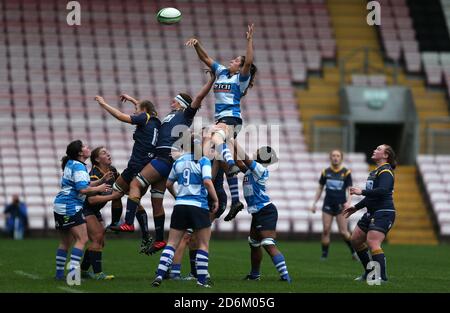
<point>231,85</point>
<point>155,173</point>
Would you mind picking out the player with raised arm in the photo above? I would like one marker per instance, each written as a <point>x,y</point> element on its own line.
<point>145,138</point>
<point>155,173</point>
<point>232,83</point>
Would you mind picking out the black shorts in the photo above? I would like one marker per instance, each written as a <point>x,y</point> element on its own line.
<point>87,211</point>
<point>221,194</point>
<point>64,222</point>
<point>189,216</point>
<point>381,221</point>
<point>232,121</point>
<point>131,171</point>
<point>332,209</point>
<point>266,218</point>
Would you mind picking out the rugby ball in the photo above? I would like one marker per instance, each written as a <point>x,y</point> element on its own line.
<point>168,16</point>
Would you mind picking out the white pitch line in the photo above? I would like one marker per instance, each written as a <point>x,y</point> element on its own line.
<point>28,275</point>
<point>71,290</point>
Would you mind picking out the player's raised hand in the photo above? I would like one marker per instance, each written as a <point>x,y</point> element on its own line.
<point>192,42</point>
<point>100,99</point>
<point>250,31</point>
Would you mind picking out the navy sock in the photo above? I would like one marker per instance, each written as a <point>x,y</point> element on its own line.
<point>96,261</point>
<point>116,214</point>
<point>142,218</point>
<point>159,227</point>
<point>132,205</point>
<point>192,256</point>
<point>86,264</point>
<point>378,256</point>
<point>349,245</point>
<point>175,270</point>
<point>234,188</point>
<point>364,257</point>
<point>325,250</point>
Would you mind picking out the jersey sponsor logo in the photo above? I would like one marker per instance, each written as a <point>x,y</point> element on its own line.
<point>222,87</point>
<point>168,118</point>
<point>369,185</point>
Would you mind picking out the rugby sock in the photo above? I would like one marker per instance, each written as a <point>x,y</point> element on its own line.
<point>142,218</point>
<point>363,254</point>
<point>165,260</point>
<point>201,262</point>
<point>234,188</point>
<point>378,256</point>
<point>61,256</point>
<point>175,270</point>
<point>280,264</point>
<point>86,264</point>
<point>349,245</point>
<point>96,261</point>
<point>159,227</point>
<point>325,250</point>
<point>224,151</point>
<point>255,272</point>
<point>192,256</point>
<point>75,258</point>
<point>132,204</point>
<point>116,213</point>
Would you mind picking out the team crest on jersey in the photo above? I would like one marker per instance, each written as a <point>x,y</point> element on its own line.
<point>219,87</point>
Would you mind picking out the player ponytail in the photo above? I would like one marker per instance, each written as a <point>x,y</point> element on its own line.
<point>253,70</point>
<point>72,152</point>
<point>148,106</point>
<point>94,155</point>
<point>391,156</point>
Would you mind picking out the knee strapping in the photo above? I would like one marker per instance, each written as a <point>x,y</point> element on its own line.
<point>253,243</point>
<point>268,242</point>
<point>116,187</point>
<point>142,181</point>
<point>221,133</point>
<point>158,194</point>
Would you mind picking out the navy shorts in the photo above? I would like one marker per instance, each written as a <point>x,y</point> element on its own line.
<point>131,172</point>
<point>232,121</point>
<point>221,194</point>
<point>65,222</point>
<point>162,166</point>
<point>332,209</point>
<point>381,221</point>
<point>266,218</point>
<point>87,211</point>
<point>189,216</point>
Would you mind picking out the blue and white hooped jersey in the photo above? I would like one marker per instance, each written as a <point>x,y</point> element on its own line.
<point>228,91</point>
<point>190,176</point>
<point>75,178</point>
<point>255,187</point>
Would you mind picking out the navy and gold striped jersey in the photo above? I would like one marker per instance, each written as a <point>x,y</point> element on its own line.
<point>96,173</point>
<point>145,137</point>
<point>336,183</point>
<point>379,190</point>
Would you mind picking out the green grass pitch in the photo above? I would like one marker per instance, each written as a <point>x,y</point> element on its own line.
<point>28,266</point>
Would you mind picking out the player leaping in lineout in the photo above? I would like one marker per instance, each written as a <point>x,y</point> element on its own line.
<point>231,85</point>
